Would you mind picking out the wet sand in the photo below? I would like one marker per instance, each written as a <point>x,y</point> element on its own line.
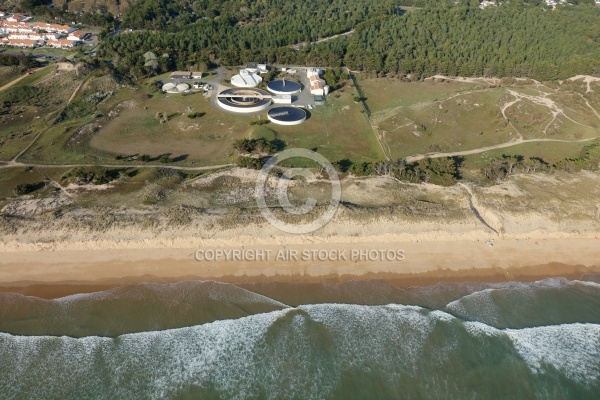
<point>57,273</point>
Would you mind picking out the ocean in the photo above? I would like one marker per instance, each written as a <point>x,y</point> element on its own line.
<point>353,340</point>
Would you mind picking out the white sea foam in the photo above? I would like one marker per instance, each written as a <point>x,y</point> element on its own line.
<point>494,305</point>
<point>481,329</point>
<point>225,353</point>
<point>292,353</point>
<point>573,350</point>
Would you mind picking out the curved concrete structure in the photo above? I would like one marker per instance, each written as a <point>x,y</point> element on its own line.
<point>246,79</point>
<point>244,101</point>
<point>182,87</point>
<point>168,86</point>
<point>284,87</point>
<point>287,115</point>
<point>175,88</point>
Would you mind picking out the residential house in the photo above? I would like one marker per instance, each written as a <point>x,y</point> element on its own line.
<point>43,26</point>
<point>16,18</point>
<point>20,42</point>
<point>61,43</point>
<point>7,27</point>
<point>77,35</point>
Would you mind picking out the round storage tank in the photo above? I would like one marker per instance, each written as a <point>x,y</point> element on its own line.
<point>182,87</point>
<point>244,101</point>
<point>246,79</point>
<point>284,87</point>
<point>168,87</point>
<point>286,115</point>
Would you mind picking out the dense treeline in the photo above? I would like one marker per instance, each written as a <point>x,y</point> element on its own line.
<point>41,10</point>
<point>225,33</point>
<point>302,20</point>
<point>443,171</point>
<point>212,43</point>
<point>514,39</point>
<point>511,40</point>
<point>22,60</point>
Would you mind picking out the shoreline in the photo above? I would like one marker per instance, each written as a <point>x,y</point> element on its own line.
<point>59,273</point>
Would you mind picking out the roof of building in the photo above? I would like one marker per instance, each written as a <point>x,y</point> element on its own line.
<point>20,41</point>
<point>15,24</point>
<point>48,26</point>
<point>317,85</point>
<point>246,79</point>
<point>181,73</point>
<point>62,42</point>
<point>78,33</point>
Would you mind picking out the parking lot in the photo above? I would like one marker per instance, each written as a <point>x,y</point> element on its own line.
<point>304,98</point>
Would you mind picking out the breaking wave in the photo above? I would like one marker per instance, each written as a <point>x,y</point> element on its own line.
<point>316,351</point>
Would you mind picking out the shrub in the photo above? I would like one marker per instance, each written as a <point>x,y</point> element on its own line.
<point>96,176</point>
<point>259,145</point>
<point>260,122</point>
<point>250,162</point>
<point>165,159</point>
<point>20,94</point>
<point>26,188</point>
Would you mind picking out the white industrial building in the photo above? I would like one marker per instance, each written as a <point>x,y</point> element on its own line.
<point>257,68</point>
<point>318,86</point>
<point>282,99</point>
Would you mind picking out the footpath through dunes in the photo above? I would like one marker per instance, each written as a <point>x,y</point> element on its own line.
<point>128,309</point>
<point>324,351</point>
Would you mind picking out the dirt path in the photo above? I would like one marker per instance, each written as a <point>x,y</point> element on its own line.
<point>35,139</point>
<point>512,143</point>
<point>587,80</point>
<point>15,81</point>
<point>77,90</point>
<point>14,164</point>
<point>298,45</point>
<point>487,218</point>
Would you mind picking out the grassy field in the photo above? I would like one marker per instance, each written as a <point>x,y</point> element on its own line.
<point>10,178</point>
<point>337,130</point>
<point>23,120</point>
<point>8,74</point>
<point>551,152</point>
<point>134,128</point>
<point>446,117</point>
<point>410,118</point>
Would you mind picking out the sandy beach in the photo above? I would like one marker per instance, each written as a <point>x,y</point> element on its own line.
<point>403,262</point>
<point>406,234</point>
